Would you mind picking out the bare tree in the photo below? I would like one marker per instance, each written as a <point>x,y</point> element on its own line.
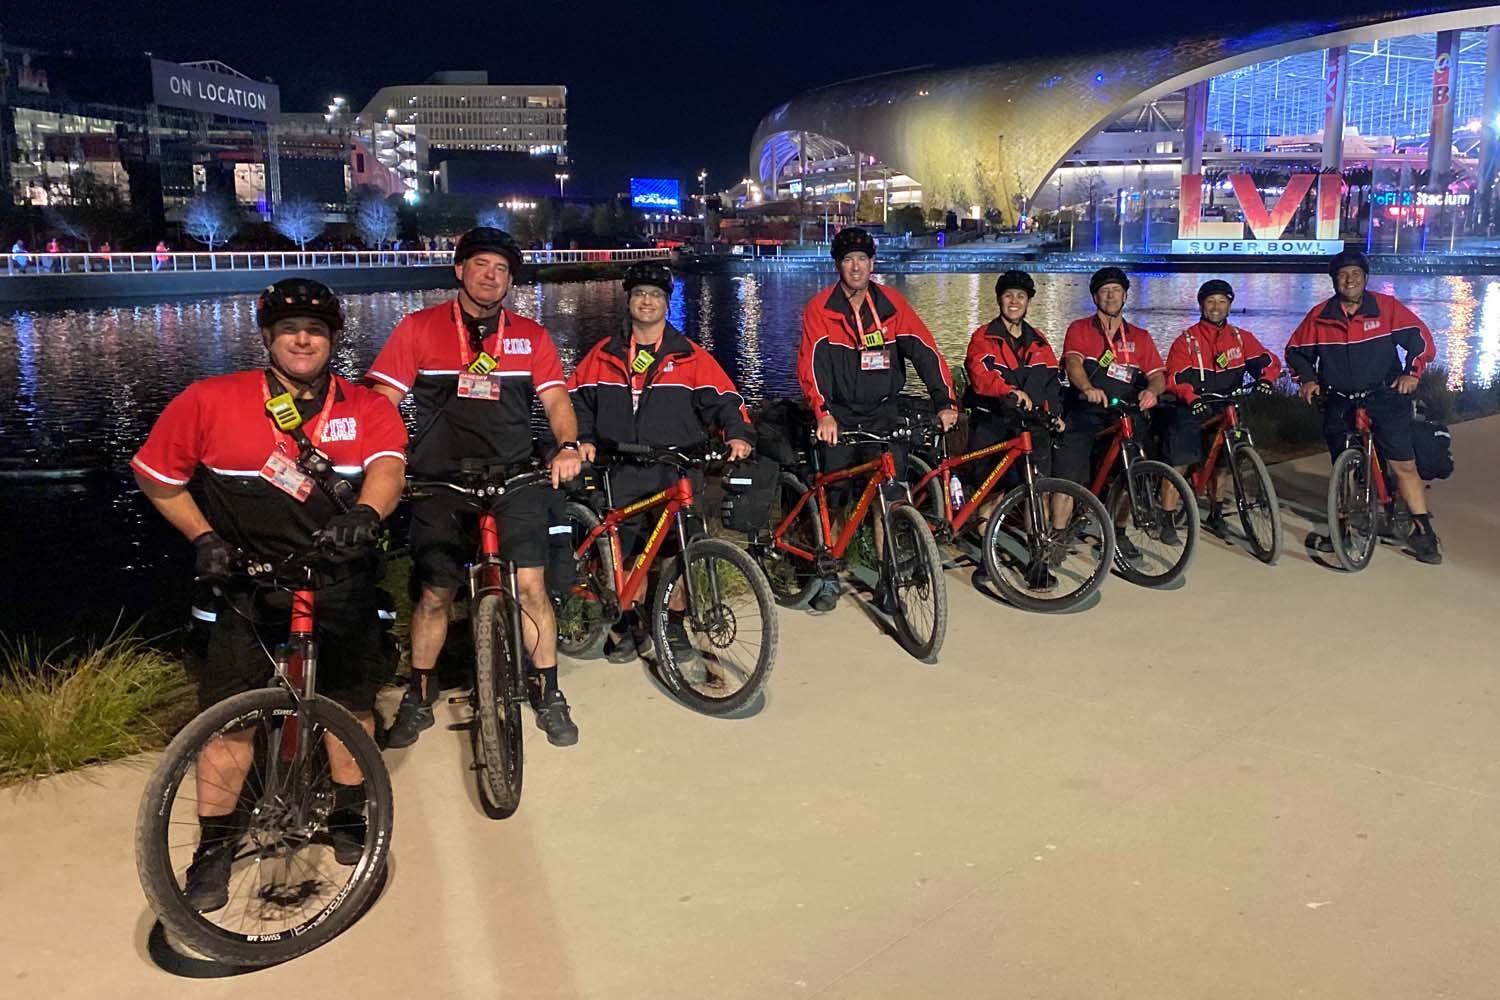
<point>212,220</point>
<point>494,218</point>
<point>299,220</point>
<point>376,221</point>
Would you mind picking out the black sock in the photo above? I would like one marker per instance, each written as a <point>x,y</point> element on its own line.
<point>349,798</point>
<point>217,831</point>
<point>424,684</point>
<point>1423,522</point>
<point>546,678</point>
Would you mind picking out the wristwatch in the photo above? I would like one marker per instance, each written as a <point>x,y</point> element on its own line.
<point>572,445</point>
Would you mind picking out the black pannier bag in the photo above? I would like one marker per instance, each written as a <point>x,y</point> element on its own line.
<point>783,428</point>
<point>749,486</point>
<point>1433,445</point>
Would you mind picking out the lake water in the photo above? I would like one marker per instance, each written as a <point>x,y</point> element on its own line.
<point>87,384</point>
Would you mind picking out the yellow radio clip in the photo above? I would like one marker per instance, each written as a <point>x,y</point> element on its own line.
<point>875,338</point>
<point>283,410</point>
<point>642,362</point>
<point>483,365</point>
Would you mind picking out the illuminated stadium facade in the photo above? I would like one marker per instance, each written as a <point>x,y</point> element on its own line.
<point>1409,102</point>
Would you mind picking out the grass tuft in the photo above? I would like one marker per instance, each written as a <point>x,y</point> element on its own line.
<point>63,708</point>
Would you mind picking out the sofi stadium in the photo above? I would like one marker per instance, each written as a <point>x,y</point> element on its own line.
<point>1315,129</point>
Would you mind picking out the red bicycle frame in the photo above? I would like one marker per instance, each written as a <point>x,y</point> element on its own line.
<point>1124,428</point>
<point>1364,428</point>
<point>673,500</point>
<point>1222,425</point>
<point>1013,449</point>
<point>882,469</point>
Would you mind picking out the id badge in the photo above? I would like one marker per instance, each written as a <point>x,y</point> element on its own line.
<point>485,387</point>
<point>874,361</point>
<point>1122,372</point>
<point>282,473</point>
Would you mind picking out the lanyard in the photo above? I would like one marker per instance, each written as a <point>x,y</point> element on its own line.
<point>859,324</point>
<point>309,431</point>
<point>465,359</point>
<point>1122,353</point>
<point>1198,349</point>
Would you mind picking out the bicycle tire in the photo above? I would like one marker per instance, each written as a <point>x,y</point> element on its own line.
<point>1264,536</point>
<point>1352,511</point>
<point>153,821</point>
<point>1188,506</point>
<point>582,627</point>
<point>724,629</point>
<point>930,501</point>
<point>925,580</point>
<point>794,581</point>
<point>1011,505</point>
<point>499,757</point>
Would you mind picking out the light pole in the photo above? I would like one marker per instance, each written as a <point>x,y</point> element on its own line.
<point>561,180</point>
<point>703,189</point>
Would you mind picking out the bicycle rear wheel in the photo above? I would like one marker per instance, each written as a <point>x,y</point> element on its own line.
<point>1059,570</point>
<point>1353,511</point>
<point>1255,495</point>
<point>1153,545</point>
<point>287,893</point>
<point>726,645</point>
<point>919,586</point>
<point>496,729</point>
<point>584,613</point>
<point>793,580</point>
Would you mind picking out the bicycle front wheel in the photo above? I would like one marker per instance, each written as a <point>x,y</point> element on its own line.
<point>1061,568</point>
<point>919,587</point>
<point>717,649</point>
<point>287,892</point>
<point>1353,511</point>
<point>496,730</point>
<point>1255,495</point>
<point>1153,543</point>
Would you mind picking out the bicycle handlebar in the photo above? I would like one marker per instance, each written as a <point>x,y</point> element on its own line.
<point>487,486</point>
<point>694,457</point>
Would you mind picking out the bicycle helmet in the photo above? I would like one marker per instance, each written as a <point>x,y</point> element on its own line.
<point>852,239</point>
<point>487,239</point>
<point>649,272</point>
<point>1348,258</point>
<point>1015,279</point>
<point>1108,276</point>
<point>1215,286</point>
<point>298,297</point>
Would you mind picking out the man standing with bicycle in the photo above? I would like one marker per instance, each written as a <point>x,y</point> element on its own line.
<point>1360,340</point>
<point>279,452</point>
<point>857,337</point>
<point>475,370</point>
<point>1214,356</point>
<point>649,384</point>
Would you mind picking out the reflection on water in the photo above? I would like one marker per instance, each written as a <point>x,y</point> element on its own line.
<point>87,384</point>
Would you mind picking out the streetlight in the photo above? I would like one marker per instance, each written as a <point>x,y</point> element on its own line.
<point>561,180</point>
<point>703,183</point>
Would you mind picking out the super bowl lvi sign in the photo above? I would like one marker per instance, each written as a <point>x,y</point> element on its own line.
<point>1196,235</point>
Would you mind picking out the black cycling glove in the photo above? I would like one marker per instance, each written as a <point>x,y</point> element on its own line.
<point>1200,409</point>
<point>1263,388</point>
<point>360,526</point>
<point>213,557</point>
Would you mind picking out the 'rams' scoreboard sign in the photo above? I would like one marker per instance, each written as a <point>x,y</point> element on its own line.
<point>178,86</point>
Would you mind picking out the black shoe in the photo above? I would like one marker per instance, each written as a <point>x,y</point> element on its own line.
<point>885,599</point>
<point>1167,531</point>
<point>1426,547</point>
<point>1039,578</point>
<point>414,715</point>
<point>554,718</point>
<point>206,887</point>
<point>346,831</point>
<point>1215,525</point>
<point>827,598</point>
<point>677,639</point>
<point>623,648</point>
<point>1126,548</point>
<point>1323,544</point>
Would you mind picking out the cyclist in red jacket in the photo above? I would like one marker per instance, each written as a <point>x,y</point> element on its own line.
<point>1212,355</point>
<point>649,384</point>
<point>1360,340</point>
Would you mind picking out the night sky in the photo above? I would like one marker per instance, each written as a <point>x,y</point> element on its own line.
<point>654,89</point>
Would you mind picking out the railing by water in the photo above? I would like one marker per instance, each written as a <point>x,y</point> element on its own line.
<point>147,262</point>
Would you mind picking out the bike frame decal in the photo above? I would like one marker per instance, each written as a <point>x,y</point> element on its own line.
<point>677,498</point>
<point>1014,448</point>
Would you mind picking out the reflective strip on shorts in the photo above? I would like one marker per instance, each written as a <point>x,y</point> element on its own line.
<point>389,616</point>
<point>560,529</point>
<point>204,616</point>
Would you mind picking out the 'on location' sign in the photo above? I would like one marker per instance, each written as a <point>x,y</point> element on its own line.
<point>179,86</point>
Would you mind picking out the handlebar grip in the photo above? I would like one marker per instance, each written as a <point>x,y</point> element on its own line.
<point>631,448</point>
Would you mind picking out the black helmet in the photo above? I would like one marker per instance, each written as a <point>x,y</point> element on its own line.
<point>1348,258</point>
<point>298,297</point>
<point>1215,286</point>
<point>852,239</point>
<point>1108,276</point>
<point>1015,279</point>
<point>649,272</point>
<point>487,239</point>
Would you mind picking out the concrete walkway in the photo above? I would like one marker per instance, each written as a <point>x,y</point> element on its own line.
<point>1273,782</point>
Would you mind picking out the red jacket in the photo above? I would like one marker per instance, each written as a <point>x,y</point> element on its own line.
<point>1209,358</point>
<point>854,367</point>
<point>1106,360</point>
<point>1353,353</point>
<point>998,364</point>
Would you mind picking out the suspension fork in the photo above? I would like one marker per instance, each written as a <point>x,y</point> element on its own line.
<point>1040,519</point>
<point>517,686</point>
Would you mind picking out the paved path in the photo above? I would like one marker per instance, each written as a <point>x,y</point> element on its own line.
<point>1275,782</point>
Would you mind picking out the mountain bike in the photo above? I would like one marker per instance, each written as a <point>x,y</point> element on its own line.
<point>499,688</point>
<point>288,891</point>
<point>712,618</point>
<point>1153,543</point>
<point>1254,493</point>
<point>1360,501</point>
<point>797,558</point>
<point>1034,565</point>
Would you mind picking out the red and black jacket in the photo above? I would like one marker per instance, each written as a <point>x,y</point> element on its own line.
<point>1208,357</point>
<point>682,394</point>
<point>854,366</point>
<point>998,364</point>
<point>1353,353</point>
